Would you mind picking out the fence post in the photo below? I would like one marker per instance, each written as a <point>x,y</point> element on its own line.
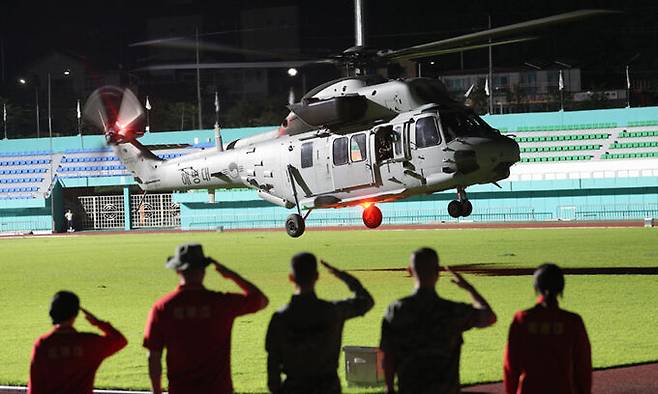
<point>127,213</point>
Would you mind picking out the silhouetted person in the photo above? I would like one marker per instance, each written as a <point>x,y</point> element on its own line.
<point>422,334</point>
<point>304,337</point>
<point>69,220</point>
<point>548,350</point>
<point>194,324</point>
<point>65,361</point>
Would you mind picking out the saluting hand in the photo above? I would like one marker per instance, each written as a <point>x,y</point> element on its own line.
<point>340,274</point>
<point>459,280</point>
<point>222,269</point>
<point>93,320</point>
<point>334,271</point>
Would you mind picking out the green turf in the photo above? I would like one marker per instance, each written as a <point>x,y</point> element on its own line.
<point>119,276</point>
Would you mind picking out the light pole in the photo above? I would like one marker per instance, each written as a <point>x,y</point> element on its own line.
<point>198,81</point>
<point>50,115</point>
<point>292,73</point>
<point>24,82</point>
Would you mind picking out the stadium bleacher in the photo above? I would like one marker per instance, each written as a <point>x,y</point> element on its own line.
<point>538,144</point>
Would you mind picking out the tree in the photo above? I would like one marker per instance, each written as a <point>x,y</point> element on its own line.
<point>172,115</point>
<point>249,113</point>
<point>19,120</point>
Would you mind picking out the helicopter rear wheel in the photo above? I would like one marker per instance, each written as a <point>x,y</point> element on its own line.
<point>295,225</point>
<point>455,208</point>
<point>372,217</point>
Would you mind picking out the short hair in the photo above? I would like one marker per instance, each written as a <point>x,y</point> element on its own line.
<point>304,268</point>
<point>549,280</point>
<point>425,262</point>
<point>64,306</point>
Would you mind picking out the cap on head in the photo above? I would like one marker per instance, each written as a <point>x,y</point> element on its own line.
<point>304,268</point>
<point>187,257</point>
<point>425,263</point>
<point>549,280</point>
<point>64,306</point>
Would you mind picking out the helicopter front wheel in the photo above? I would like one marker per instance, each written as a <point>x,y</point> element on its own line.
<point>295,225</point>
<point>455,208</point>
<point>467,208</point>
<point>458,208</point>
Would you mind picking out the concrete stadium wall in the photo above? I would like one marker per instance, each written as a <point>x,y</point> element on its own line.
<point>569,199</point>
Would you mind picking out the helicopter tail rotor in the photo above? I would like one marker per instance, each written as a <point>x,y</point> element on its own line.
<point>117,112</point>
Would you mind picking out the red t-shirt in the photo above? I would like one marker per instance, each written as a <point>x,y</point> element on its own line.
<point>547,351</point>
<point>65,361</point>
<point>194,325</point>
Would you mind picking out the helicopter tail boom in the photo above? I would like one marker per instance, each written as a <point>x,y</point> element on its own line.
<point>140,161</point>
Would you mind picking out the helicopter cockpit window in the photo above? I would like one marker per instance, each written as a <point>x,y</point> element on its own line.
<point>426,133</point>
<point>307,154</point>
<point>340,151</point>
<point>462,123</point>
<point>358,148</point>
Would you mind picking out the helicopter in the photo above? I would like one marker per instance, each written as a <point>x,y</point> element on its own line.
<point>360,140</point>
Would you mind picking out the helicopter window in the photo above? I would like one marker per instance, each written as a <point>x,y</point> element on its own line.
<point>397,142</point>
<point>458,123</point>
<point>340,151</point>
<point>358,148</point>
<point>427,133</point>
<point>307,154</point>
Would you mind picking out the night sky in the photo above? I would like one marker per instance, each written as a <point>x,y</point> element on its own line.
<point>101,32</point>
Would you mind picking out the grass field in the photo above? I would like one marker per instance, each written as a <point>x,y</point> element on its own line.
<point>119,277</point>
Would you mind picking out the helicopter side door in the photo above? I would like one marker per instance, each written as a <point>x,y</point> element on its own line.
<point>314,168</point>
<point>426,146</point>
<point>351,161</point>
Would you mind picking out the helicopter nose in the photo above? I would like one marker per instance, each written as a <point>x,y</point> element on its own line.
<point>499,155</point>
<point>508,150</point>
<point>496,155</point>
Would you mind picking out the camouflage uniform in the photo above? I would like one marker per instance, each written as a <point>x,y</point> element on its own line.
<point>423,332</point>
<point>303,341</point>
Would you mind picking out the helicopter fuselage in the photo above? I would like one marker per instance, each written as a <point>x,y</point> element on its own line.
<point>417,152</point>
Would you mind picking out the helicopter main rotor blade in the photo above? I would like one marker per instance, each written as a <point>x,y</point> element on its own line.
<point>439,52</point>
<point>234,65</point>
<point>190,44</point>
<point>478,37</point>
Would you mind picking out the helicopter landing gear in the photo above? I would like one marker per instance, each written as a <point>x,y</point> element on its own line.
<point>372,216</point>
<point>295,225</point>
<point>461,206</point>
